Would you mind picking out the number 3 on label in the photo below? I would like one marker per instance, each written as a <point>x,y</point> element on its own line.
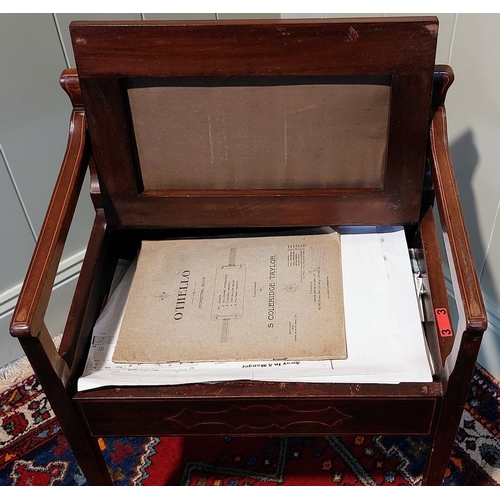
<point>443,322</point>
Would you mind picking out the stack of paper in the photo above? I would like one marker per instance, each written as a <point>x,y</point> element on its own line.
<point>385,340</point>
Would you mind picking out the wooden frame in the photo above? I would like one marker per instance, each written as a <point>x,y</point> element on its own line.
<point>286,48</point>
<point>124,216</point>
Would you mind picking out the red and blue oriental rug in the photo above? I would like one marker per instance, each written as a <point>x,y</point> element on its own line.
<point>33,451</point>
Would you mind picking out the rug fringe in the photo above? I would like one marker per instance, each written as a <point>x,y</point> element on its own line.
<point>18,370</point>
<point>15,372</point>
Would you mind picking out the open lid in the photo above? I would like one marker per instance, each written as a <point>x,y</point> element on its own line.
<point>258,123</point>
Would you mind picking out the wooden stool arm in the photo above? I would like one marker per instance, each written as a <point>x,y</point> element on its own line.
<point>466,287</point>
<point>27,320</point>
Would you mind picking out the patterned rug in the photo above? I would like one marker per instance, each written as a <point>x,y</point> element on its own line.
<point>33,451</point>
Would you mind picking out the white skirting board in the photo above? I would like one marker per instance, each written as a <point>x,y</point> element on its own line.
<point>68,270</point>
<point>60,300</point>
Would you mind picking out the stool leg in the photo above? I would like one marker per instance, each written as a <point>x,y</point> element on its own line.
<point>439,456</point>
<point>87,454</point>
<point>450,414</point>
<point>47,367</point>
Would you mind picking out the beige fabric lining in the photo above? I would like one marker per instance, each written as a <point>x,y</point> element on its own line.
<point>261,137</point>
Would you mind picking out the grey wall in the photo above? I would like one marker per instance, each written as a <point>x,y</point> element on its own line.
<point>34,114</point>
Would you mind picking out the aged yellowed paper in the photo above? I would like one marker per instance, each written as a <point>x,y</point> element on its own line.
<point>250,298</point>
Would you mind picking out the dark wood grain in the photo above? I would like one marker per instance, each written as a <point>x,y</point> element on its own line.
<point>436,296</point>
<point>296,208</point>
<point>443,78</point>
<point>71,85</point>
<point>92,286</point>
<point>464,276</point>
<point>261,418</point>
<point>254,48</point>
<point>403,50</point>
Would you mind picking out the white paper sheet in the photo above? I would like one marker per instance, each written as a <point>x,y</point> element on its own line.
<point>385,340</point>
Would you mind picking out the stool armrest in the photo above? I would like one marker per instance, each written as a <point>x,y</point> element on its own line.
<point>27,320</point>
<point>466,287</point>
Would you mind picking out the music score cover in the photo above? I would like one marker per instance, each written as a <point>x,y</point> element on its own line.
<point>239,298</point>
